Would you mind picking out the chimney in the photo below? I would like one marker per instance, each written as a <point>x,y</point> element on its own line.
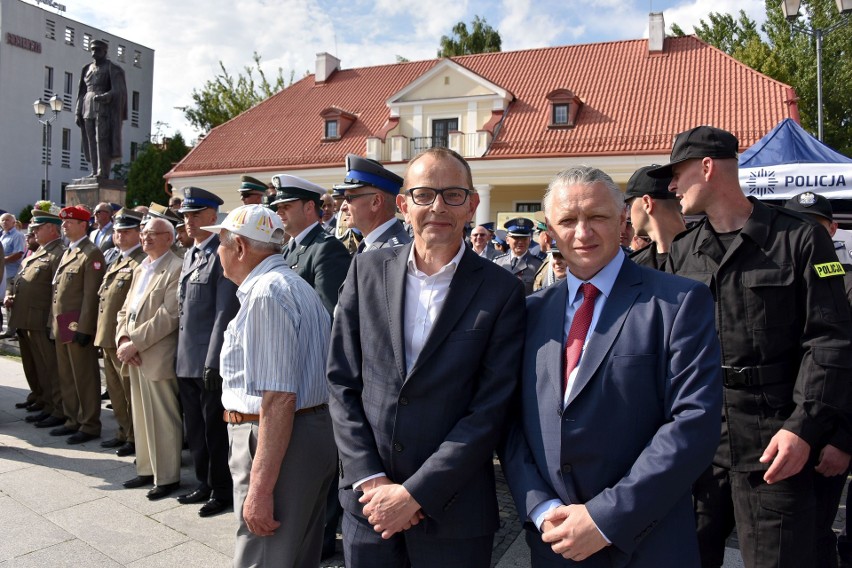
<point>326,65</point>
<point>656,32</point>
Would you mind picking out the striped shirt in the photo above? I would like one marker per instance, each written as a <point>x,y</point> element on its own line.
<point>278,341</point>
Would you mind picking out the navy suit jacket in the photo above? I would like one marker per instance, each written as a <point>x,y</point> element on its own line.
<point>208,303</point>
<point>642,423</point>
<point>433,429</point>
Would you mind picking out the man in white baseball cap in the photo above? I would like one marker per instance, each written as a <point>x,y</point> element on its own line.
<point>275,396</point>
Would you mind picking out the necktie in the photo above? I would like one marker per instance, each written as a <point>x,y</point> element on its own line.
<point>514,262</point>
<point>579,328</point>
<point>361,247</point>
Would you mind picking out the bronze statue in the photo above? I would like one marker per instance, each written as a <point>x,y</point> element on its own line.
<point>101,108</point>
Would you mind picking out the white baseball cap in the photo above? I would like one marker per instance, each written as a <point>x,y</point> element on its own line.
<point>254,222</point>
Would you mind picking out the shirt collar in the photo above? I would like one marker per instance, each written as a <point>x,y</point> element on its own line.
<point>450,266</point>
<point>268,264</point>
<point>77,242</point>
<point>301,236</point>
<point>604,280</point>
<point>203,244</point>
<point>379,231</point>
<point>128,252</point>
<point>152,265</point>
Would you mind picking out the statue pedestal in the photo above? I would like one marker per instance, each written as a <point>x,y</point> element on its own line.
<point>90,191</point>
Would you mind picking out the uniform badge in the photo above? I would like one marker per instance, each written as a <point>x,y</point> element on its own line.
<point>828,269</point>
<point>194,276</point>
<point>120,284</point>
<point>72,326</point>
<point>807,199</point>
<point>97,265</point>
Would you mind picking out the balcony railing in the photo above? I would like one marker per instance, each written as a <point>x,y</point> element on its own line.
<point>401,148</point>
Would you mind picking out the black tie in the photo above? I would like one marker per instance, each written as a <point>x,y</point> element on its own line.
<point>514,262</point>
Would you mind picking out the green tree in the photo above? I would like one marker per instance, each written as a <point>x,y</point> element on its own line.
<point>226,96</point>
<point>481,39</point>
<point>791,58</point>
<point>145,178</point>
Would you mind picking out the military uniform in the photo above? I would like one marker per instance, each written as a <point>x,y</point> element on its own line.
<point>111,296</point>
<point>783,321</point>
<point>75,317</point>
<point>30,291</point>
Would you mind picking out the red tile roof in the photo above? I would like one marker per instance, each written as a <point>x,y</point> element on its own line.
<point>634,103</point>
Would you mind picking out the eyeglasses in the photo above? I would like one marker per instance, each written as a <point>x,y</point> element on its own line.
<point>453,196</point>
<point>146,234</point>
<point>349,198</point>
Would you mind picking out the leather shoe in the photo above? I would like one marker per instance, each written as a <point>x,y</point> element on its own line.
<point>105,395</point>
<point>35,407</point>
<point>80,437</point>
<point>62,431</point>
<point>36,417</point>
<point>160,491</point>
<point>50,422</point>
<point>138,481</point>
<point>197,496</point>
<point>128,449</point>
<point>213,507</point>
<point>24,404</point>
<point>113,443</point>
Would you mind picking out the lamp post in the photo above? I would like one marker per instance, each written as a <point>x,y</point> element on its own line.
<point>791,12</point>
<point>41,107</point>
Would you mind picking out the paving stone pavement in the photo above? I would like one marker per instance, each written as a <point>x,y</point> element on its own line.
<point>64,505</point>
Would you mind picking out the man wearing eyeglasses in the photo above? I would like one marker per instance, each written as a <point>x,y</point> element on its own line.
<point>480,240</point>
<point>101,235</point>
<point>252,190</point>
<point>370,192</point>
<point>424,358</point>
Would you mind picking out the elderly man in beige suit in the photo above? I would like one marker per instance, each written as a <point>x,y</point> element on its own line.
<point>147,342</point>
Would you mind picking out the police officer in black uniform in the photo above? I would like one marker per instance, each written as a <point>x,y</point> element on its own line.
<point>654,213</point>
<point>836,450</point>
<point>784,325</point>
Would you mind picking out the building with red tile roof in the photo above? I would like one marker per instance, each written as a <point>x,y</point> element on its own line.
<point>518,117</point>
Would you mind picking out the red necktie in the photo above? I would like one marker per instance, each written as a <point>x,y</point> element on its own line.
<point>579,329</point>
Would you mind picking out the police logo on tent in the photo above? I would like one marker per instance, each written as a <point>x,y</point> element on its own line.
<point>762,182</point>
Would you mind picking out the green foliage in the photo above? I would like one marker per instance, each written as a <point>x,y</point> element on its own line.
<point>25,215</point>
<point>145,181</point>
<point>791,58</point>
<point>481,39</point>
<point>226,96</point>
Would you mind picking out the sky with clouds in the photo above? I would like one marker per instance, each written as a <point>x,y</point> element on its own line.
<point>190,37</point>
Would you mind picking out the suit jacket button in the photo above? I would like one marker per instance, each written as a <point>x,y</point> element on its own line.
<point>566,468</point>
<point>403,401</point>
<point>397,447</point>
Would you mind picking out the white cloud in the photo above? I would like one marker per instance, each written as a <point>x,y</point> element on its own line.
<point>689,14</point>
<point>524,27</point>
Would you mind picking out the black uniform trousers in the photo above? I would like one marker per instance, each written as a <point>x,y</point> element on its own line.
<point>766,516</point>
<point>207,437</point>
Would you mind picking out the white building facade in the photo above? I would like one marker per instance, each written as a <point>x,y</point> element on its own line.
<point>42,54</point>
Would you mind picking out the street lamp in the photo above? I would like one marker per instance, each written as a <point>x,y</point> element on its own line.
<point>41,107</point>
<point>791,12</point>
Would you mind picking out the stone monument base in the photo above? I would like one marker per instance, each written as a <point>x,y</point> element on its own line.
<point>90,191</point>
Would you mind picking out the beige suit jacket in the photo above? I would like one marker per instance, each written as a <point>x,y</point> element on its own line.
<point>75,286</point>
<point>113,291</point>
<point>31,288</point>
<point>154,330</point>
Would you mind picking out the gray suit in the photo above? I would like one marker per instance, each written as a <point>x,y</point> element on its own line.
<point>106,240</point>
<point>207,303</point>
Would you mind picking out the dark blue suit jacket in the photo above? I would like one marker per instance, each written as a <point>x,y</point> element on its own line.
<point>433,429</point>
<point>642,423</point>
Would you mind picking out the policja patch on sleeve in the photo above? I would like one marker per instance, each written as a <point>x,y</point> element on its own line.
<point>827,269</point>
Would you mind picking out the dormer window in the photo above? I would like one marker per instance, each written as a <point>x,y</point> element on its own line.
<point>331,129</point>
<point>564,106</point>
<point>336,122</point>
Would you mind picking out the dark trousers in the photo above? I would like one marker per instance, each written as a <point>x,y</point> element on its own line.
<point>828,492</point>
<point>775,523</point>
<point>365,548</point>
<point>206,436</point>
